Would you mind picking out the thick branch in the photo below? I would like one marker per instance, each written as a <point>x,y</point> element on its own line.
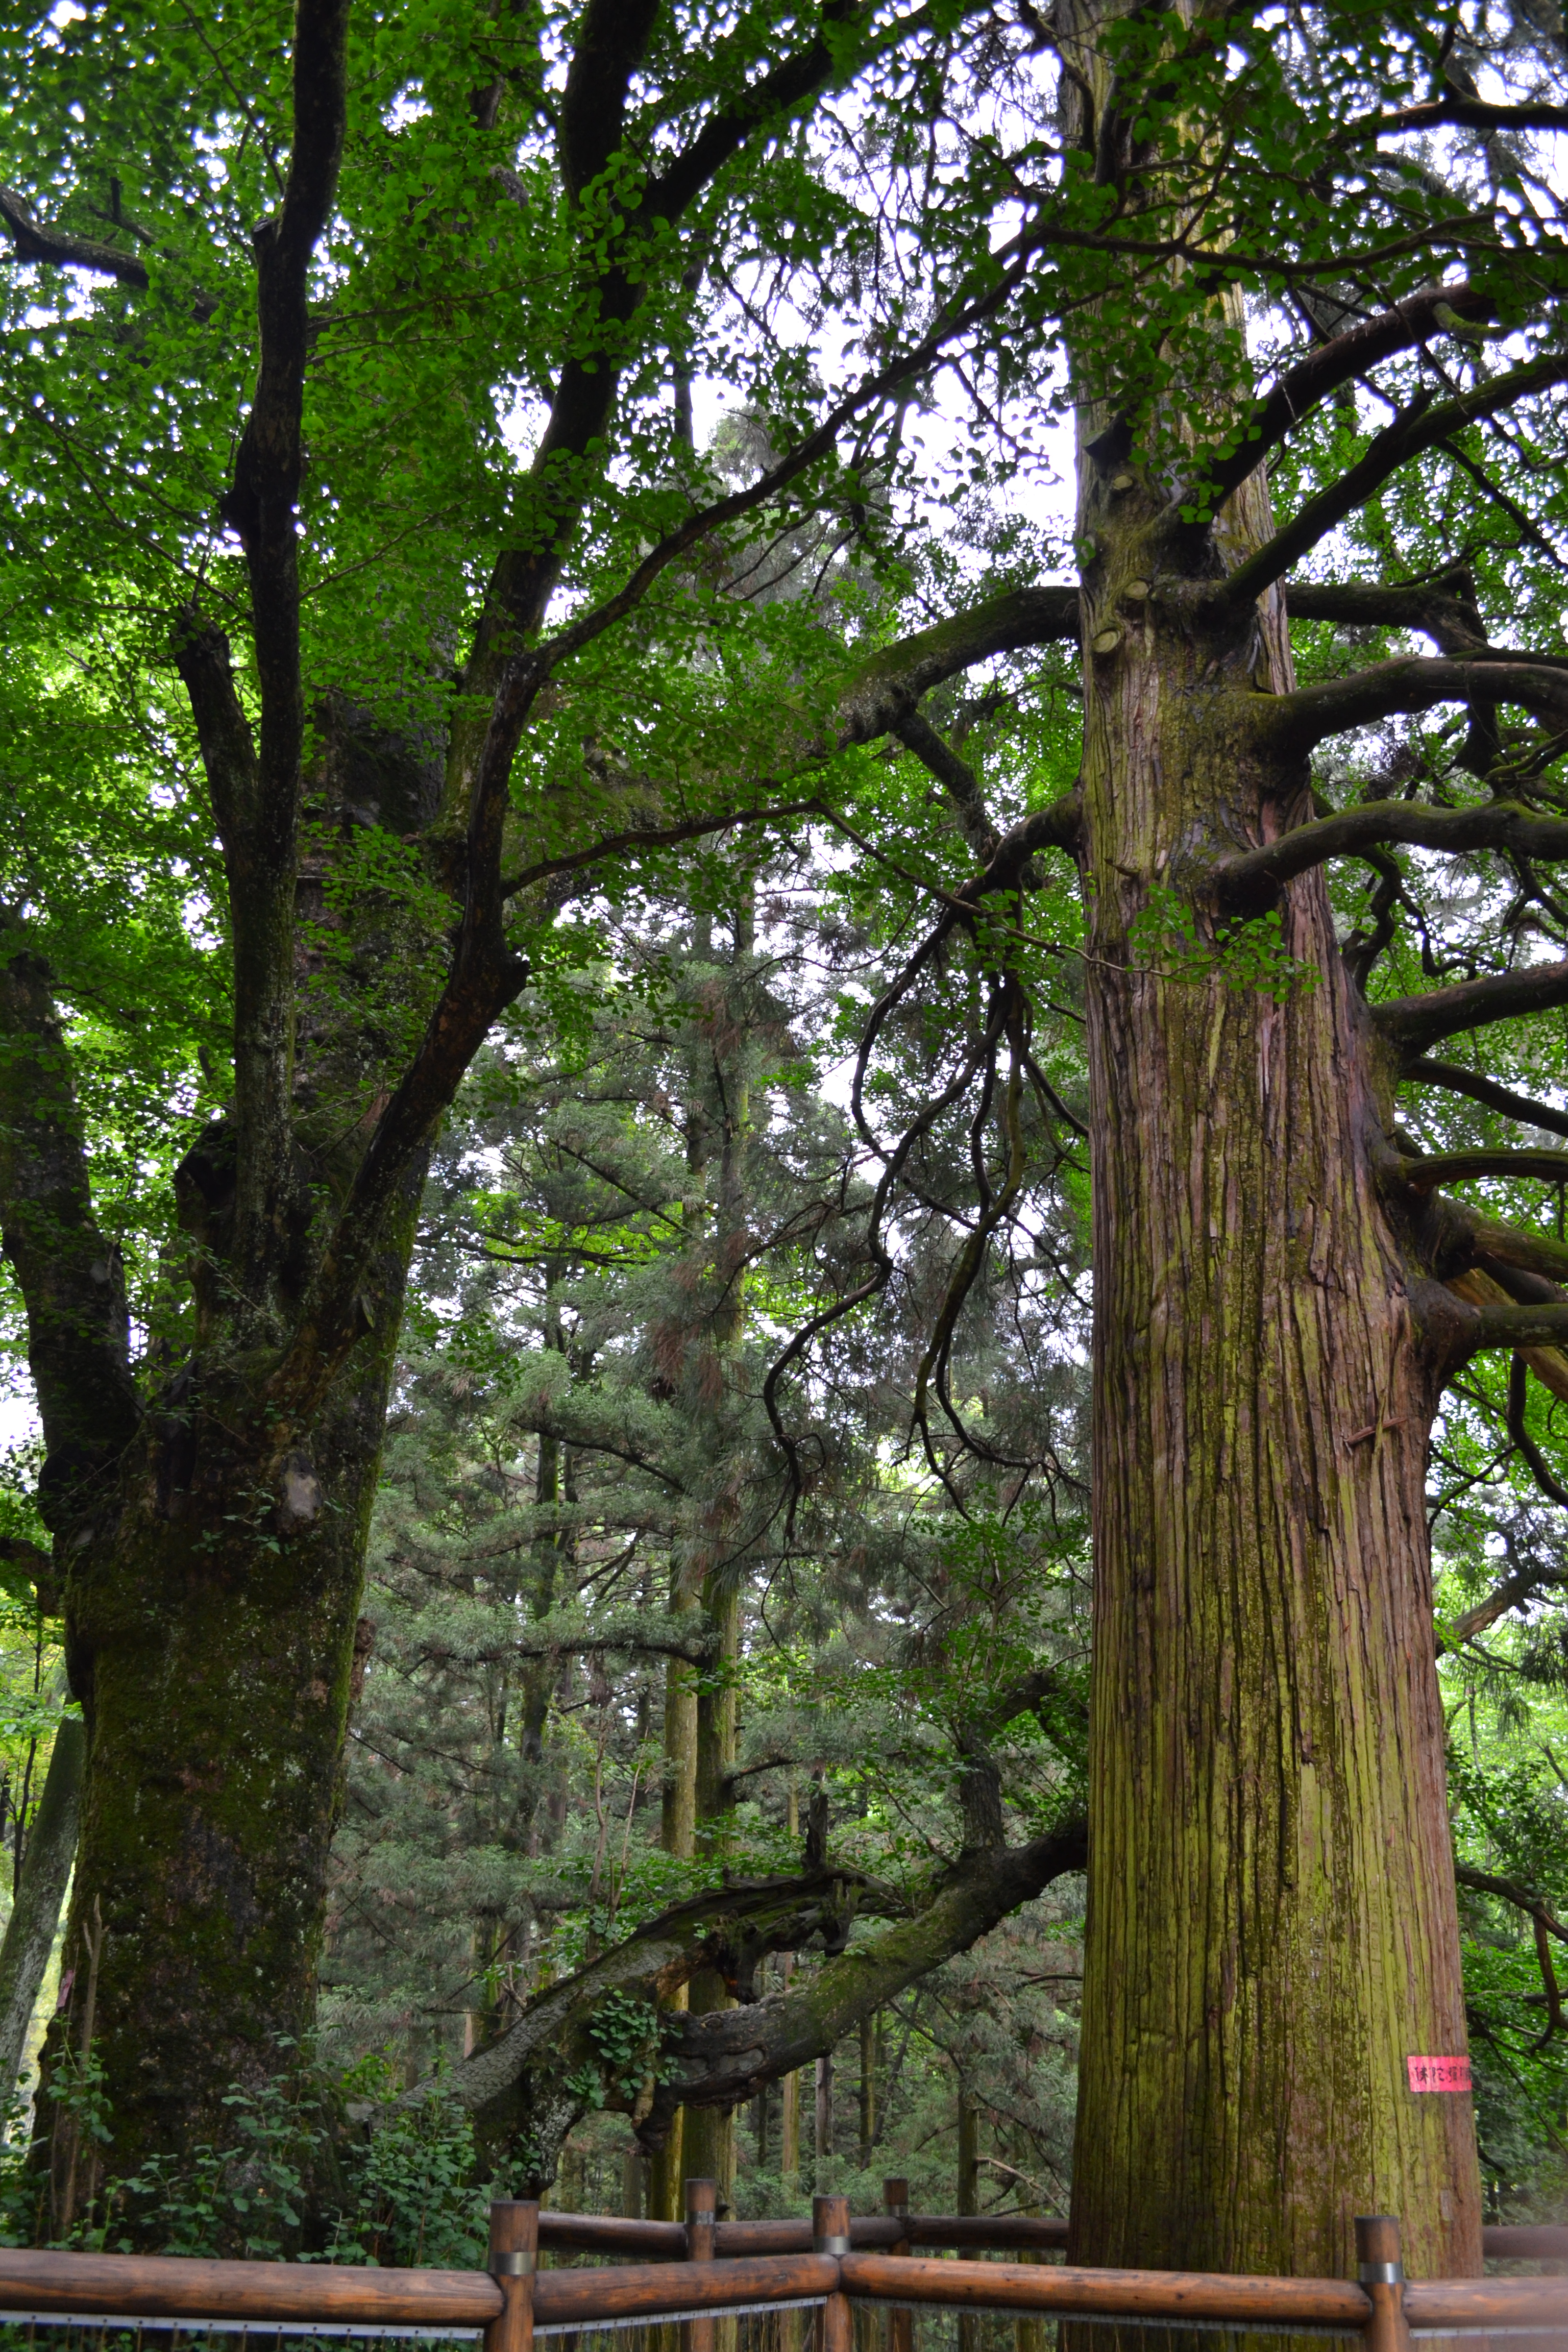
<point>727,2055</point>
<point>1411,1023</point>
<point>1432,1168</point>
<point>1464,113</point>
<point>1483,1327</point>
<point>1339,361</point>
<point>1451,622</point>
<point>1494,824</point>
<point>956,777</point>
<point>1480,1089</point>
<point>33,242</point>
<point>69,1276</point>
<point>260,789</point>
<point>1414,683</point>
<point>1417,428</point>
<point>538,2076</point>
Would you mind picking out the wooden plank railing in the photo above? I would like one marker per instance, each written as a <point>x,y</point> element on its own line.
<point>510,2301</point>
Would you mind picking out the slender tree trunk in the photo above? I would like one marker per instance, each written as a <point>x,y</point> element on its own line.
<point>40,1891</point>
<point>1271,1921</point>
<point>970,2324</point>
<point>823,2138</point>
<point>870,2038</point>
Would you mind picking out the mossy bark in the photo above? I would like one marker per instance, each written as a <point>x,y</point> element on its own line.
<point>1272,1926</point>
<point>213,1643</point>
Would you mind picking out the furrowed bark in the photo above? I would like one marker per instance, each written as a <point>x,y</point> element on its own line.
<point>1272,1923</point>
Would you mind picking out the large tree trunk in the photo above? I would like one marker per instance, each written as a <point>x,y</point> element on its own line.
<point>1272,1926</point>
<point>213,1647</point>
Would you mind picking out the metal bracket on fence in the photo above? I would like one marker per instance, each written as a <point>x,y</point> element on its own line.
<point>1381,2274</point>
<point>514,2263</point>
<point>834,2244</point>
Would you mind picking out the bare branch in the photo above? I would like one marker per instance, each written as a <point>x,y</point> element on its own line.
<point>1464,113</point>
<point>1451,621</point>
<point>956,777</point>
<point>1509,1890</point>
<point>1535,1461</point>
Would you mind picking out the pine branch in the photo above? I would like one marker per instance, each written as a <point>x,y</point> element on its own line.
<point>1413,683</point>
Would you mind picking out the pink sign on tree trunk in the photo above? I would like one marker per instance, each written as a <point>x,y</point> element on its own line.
<point>1439,2073</point>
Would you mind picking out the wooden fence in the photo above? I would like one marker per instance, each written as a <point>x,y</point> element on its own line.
<point>705,2269</point>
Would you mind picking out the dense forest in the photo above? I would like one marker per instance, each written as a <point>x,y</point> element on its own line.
<point>783,1092</point>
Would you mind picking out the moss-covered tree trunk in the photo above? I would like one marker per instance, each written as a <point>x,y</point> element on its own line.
<point>1272,1927</point>
<point>213,1645</point>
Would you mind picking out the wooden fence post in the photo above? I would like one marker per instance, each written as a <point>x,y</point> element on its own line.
<point>514,2244</point>
<point>701,2212</point>
<point>1382,2273</point>
<point>900,2319</point>
<point>830,2235</point>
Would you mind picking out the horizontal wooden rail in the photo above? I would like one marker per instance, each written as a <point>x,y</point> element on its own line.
<point>302,2294</point>
<point>645,2289</point>
<point>1488,2303</point>
<point>606,2234</point>
<point>1134,2294</point>
<point>1525,2242</point>
<point>170,2286</point>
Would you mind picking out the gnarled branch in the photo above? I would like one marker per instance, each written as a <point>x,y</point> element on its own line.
<point>1414,682</point>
